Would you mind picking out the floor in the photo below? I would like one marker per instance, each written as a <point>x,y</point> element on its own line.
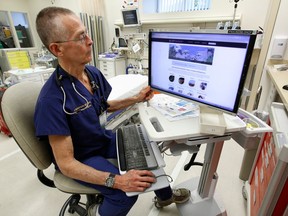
<point>23,195</point>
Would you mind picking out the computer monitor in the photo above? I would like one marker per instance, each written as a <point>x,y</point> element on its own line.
<point>130,17</point>
<point>204,67</point>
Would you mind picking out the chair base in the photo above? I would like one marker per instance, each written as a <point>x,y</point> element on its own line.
<point>74,205</point>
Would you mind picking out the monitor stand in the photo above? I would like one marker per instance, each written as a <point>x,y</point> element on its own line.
<point>205,201</point>
<point>212,121</point>
<point>208,206</point>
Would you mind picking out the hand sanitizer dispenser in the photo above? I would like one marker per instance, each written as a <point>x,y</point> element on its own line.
<point>278,49</point>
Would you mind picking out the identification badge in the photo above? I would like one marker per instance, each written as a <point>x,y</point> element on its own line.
<point>103,119</point>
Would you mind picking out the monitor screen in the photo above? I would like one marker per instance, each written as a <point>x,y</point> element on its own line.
<point>130,17</point>
<point>207,68</point>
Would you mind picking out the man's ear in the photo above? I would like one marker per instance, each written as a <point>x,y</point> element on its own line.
<point>56,49</point>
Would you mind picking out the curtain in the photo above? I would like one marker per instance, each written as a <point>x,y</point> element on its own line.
<point>93,7</point>
<point>182,5</point>
<point>92,17</point>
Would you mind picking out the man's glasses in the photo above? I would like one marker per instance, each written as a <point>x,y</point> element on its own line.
<point>82,39</point>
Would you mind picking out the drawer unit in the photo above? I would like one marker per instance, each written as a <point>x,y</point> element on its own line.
<point>111,67</point>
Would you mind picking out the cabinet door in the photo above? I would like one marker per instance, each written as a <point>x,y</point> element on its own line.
<point>120,66</point>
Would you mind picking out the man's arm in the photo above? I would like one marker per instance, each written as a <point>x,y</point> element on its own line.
<point>144,95</point>
<point>63,151</point>
<point>62,147</point>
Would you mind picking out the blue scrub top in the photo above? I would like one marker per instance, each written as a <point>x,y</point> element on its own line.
<point>87,134</point>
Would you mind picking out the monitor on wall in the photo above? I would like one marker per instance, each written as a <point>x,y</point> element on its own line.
<point>130,17</point>
<point>207,68</point>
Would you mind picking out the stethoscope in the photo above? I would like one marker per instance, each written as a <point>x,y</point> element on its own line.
<point>87,103</point>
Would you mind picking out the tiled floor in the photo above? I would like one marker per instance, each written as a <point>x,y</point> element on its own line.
<point>21,194</point>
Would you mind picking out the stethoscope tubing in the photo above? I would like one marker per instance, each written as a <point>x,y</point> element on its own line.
<point>87,104</point>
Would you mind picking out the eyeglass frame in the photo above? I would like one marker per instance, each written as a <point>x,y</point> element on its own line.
<point>82,39</point>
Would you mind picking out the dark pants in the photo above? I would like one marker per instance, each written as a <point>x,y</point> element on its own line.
<point>116,202</point>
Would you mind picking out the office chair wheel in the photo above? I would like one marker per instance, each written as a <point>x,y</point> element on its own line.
<point>71,211</point>
<point>72,203</point>
<point>94,199</point>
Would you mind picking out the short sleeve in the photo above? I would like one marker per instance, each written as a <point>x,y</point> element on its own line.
<point>49,118</point>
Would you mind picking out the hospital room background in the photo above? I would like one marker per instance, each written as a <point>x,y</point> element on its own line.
<point>121,49</point>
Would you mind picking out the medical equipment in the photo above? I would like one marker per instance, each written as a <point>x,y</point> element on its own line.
<point>45,58</point>
<point>130,17</point>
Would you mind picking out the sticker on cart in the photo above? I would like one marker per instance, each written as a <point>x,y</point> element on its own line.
<point>261,174</point>
<point>274,162</point>
<point>266,160</point>
<point>269,150</point>
<point>256,177</point>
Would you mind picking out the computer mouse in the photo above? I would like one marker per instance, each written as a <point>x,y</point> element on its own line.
<point>285,87</point>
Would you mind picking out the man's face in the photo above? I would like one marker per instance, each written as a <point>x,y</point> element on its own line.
<point>76,48</point>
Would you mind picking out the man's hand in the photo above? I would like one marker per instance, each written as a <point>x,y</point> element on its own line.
<point>145,94</point>
<point>134,181</point>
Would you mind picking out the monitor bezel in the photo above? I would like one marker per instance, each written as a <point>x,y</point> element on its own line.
<point>252,34</point>
<point>137,16</point>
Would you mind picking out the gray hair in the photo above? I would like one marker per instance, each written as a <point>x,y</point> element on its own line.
<point>49,24</point>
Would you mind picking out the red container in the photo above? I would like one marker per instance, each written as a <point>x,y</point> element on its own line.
<point>3,126</point>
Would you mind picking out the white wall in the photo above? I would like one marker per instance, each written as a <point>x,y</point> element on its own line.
<point>280,30</point>
<point>15,5</point>
<point>250,19</point>
<point>220,8</point>
<point>36,5</point>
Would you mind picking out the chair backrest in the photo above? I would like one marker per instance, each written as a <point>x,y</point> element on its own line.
<point>18,106</point>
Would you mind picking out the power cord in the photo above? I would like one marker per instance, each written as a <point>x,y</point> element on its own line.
<point>170,179</point>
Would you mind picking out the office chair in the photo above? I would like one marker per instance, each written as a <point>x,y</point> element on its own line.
<point>18,105</point>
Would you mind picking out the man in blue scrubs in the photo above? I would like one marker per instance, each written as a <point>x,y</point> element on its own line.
<point>71,109</point>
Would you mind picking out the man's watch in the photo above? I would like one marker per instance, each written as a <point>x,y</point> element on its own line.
<point>110,180</point>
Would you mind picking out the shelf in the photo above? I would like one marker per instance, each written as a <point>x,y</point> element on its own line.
<point>178,20</point>
<point>122,49</point>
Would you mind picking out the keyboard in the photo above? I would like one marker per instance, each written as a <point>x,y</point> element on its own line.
<point>135,151</point>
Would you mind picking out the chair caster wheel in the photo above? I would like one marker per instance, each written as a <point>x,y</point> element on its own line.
<point>71,211</point>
